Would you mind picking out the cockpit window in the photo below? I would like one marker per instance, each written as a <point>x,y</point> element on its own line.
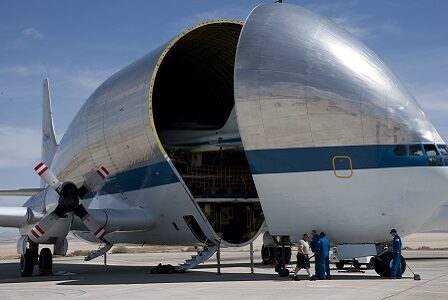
<point>443,149</point>
<point>400,150</point>
<point>415,150</point>
<point>431,150</point>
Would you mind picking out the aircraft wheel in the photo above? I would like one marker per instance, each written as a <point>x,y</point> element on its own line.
<point>27,261</point>
<point>387,263</point>
<point>356,264</point>
<point>339,265</point>
<point>288,254</point>
<point>378,266</point>
<point>266,255</point>
<point>371,264</point>
<point>45,262</point>
<point>383,263</point>
<point>283,272</point>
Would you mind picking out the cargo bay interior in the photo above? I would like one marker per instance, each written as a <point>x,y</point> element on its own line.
<point>193,100</point>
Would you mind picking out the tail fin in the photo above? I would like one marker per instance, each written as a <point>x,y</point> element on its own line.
<point>49,145</point>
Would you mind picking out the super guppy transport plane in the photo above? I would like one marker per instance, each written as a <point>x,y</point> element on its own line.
<point>283,123</point>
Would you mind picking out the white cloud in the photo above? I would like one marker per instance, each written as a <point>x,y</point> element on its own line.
<point>20,70</point>
<point>89,78</point>
<point>33,34</point>
<point>433,99</point>
<point>26,37</point>
<point>331,6</point>
<point>362,27</point>
<point>20,146</point>
<point>225,12</point>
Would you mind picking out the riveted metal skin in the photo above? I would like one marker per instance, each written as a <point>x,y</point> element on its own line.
<point>314,105</point>
<point>115,129</point>
<point>303,81</point>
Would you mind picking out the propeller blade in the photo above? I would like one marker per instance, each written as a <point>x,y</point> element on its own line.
<point>44,225</point>
<point>44,172</point>
<point>94,227</point>
<point>93,179</point>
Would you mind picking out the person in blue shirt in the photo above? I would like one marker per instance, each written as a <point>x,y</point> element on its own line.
<point>325,253</point>
<point>395,270</point>
<point>313,246</point>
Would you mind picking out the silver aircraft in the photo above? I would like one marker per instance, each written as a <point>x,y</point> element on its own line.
<point>283,123</point>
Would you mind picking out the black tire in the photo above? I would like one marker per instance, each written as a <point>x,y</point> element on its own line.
<point>356,264</point>
<point>383,264</point>
<point>27,261</point>
<point>288,254</point>
<point>403,265</point>
<point>283,272</point>
<point>339,265</point>
<point>378,266</point>
<point>45,262</point>
<point>371,264</point>
<point>387,263</point>
<point>266,255</point>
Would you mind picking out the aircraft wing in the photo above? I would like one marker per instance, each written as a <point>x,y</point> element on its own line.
<point>21,192</point>
<point>17,216</point>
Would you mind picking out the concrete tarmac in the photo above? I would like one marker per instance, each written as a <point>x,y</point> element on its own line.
<point>127,276</point>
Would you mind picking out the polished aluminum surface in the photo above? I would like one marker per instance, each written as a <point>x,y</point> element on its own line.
<point>17,216</point>
<point>112,129</point>
<point>115,129</point>
<point>303,81</point>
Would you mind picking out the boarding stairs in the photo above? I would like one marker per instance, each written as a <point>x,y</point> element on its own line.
<point>203,255</point>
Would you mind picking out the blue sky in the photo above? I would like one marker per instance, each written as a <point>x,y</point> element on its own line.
<point>78,44</point>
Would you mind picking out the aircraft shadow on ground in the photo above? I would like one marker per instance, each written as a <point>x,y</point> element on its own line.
<point>85,274</point>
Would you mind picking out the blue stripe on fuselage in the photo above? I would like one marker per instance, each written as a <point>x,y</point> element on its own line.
<point>321,158</point>
<point>273,161</point>
<point>140,178</point>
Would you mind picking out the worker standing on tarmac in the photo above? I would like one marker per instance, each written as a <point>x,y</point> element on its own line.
<point>313,246</point>
<point>395,270</point>
<point>324,244</point>
<point>303,260</point>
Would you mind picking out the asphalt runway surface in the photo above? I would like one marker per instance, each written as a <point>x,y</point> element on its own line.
<point>127,276</point>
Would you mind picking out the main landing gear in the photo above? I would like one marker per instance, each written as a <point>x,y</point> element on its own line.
<point>269,254</point>
<point>383,263</point>
<point>31,258</point>
<point>280,268</point>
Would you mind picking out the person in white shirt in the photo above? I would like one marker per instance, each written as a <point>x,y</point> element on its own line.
<point>303,260</point>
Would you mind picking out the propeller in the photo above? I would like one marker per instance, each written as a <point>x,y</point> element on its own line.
<point>69,201</point>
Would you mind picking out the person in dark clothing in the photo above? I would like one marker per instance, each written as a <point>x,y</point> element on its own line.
<point>313,246</point>
<point>315,237</point>
<point>395,270</point>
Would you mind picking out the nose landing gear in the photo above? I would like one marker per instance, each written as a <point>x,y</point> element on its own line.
<point>45,262</point>
<point>31,258</point>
